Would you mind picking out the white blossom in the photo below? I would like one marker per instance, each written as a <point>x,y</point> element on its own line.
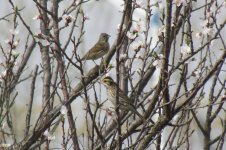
<point>46,133</point>
<point>3,126</point>
<point>179,2</point>
<point>137,45</point>
<point>14,31</point>
<point>107,74</point>
<point>86,17</point>
<point>208,31</point>
<point>40,36</point>
<point>196,73</point>
<point>63,110</point>
<point>223,96</point>
<point>131,35</point>
<point>199,35</point>
<point>15,53</point>
<point>37,17</point>
<point>16,63</point>
<point>4,73</point>
<point>158,63</point>
<point>49,136</point>
<point>122,57</point>
<point>16,43</point>
<point>161,56</point>
<point>45,42</point>
<point>119,26</point>
<point>212,42</point>
<point>208,14</point>
<point>204,23</point>
<point>139,26</point>
<point>68,19</point>
<point>185,51</point>
<point>127,64</point>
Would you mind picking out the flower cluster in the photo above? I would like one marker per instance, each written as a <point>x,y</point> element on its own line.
<point>138,27</point>
<point>185,51</point>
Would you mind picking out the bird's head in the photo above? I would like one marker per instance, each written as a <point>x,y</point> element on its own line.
<point>104,37</point>
<point>108,81</point>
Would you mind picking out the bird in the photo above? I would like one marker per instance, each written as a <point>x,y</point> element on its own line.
<point>125,104</point>
<point>99,49</point>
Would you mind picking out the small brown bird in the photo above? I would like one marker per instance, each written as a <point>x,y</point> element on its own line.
<point>125,103</point>
<point>99,49</point>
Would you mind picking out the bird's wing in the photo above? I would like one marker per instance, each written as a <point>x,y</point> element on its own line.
<point>95,50</point>
<point>128,104</point>
<point>98,47</point>
<point>125,98</point>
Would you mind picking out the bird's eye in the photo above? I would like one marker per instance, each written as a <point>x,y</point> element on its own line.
<point>106,82</point>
